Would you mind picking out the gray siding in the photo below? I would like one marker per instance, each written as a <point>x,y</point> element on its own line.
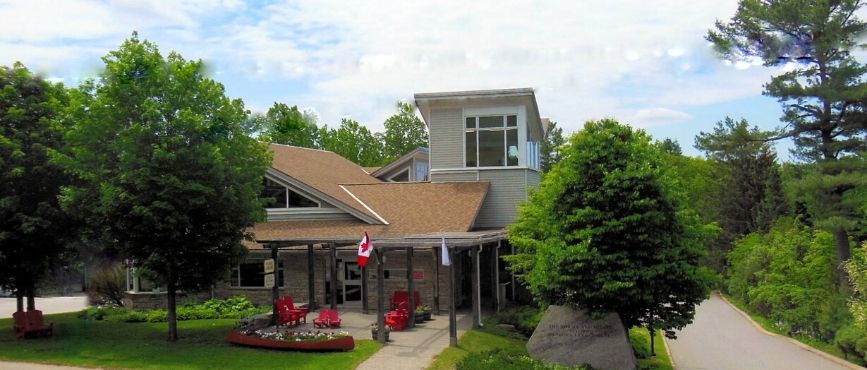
<point>508,189</point>
<point>533,178</point>
<point>446,138</point>
<point>454,176</point>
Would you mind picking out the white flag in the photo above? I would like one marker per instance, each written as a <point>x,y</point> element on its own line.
<point>445,253</point>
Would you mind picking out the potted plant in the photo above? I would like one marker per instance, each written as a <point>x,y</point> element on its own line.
<point>427,310</point>
<point>374,331</point>
<point>419,314</point>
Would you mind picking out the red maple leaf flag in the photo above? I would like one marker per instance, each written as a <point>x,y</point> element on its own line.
<point>364,249</point>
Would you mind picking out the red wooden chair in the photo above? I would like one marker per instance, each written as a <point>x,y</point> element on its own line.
<point>31,323</point>
<point>398,318</point>
<point>290,304</point>
<point>323,321</point>
<point>401,296</point>
<point>287,316</point>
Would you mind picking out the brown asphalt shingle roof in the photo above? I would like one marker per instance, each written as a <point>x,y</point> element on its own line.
<point>322,170</point>
<point>410,208</point>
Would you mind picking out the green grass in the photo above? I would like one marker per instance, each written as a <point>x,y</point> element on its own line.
<point>476,341</point>
<point>143,346</point>
<point>768,325</point>
<point>659,362</point>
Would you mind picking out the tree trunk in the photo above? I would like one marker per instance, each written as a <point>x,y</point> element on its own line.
<point>31,299</point>
<point>844,253</point>
<point>19,300</point>
<point>171,310</point>
<point>652,347</point>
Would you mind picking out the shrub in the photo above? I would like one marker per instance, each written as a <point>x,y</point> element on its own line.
<point>852,340</point>
<point>504,360</point>
<point>523,318</point>
<point>232,308</point>
<point>106,286</point>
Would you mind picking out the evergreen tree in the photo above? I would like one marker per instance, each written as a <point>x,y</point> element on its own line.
<point>823,96</point>
<point>549,150</point>
<point>605,231</point>
<point>168,171</point>
<point>404,132</point>
<point>33,229</point>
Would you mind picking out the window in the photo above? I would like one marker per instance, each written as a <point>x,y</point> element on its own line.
<point>421,171</point>
<point>138,284</point>
<point>402,176</point>
<point>251,273</point>
<point>279,196</point>
<point>533,156</point>
<point>491,141</point>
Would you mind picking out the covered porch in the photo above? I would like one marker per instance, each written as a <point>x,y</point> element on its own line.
<point>465,251</point>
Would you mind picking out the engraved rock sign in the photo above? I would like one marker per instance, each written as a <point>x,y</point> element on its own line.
<point>570,337</point>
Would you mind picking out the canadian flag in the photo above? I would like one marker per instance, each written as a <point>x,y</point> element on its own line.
<point>364,249</point>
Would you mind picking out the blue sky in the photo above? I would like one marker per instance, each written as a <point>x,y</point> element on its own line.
<point>644,63</point>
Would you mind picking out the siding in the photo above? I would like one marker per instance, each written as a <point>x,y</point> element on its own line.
<point>508,189</point>
<point>446,138</point>
<point>533,178</point>
<point>454,176</point>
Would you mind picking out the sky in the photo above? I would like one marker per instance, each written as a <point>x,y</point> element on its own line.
<point>645,63</point>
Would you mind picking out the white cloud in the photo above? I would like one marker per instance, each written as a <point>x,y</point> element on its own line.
<point>651,117</point>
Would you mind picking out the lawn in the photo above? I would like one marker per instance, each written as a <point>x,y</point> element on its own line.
<point>143,346</point>
<point>659,362</point>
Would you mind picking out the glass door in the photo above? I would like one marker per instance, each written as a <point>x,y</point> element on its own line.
<point>351,283</point>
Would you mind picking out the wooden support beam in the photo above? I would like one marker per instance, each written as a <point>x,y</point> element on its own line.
<point>453,322</point>
<point>477,290</point>
<point>275,292</point>
<point>410,286</point>
<point>364,303</point>
<point>311,278</point>
<point>495,277</point>
<point>436,280</point>
<point>380,294</point>
<point>333,249</point>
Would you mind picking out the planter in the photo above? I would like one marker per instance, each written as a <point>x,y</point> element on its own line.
<point>339,344</point>
<point>375,337</point>
<point>427,316</point>
<point>419,318</point>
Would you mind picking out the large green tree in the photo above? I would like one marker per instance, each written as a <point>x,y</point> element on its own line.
<point>168,172</point>
<point>550,148</point>
<point>283,124</point>
<point>33,228</point>
<point>354,142</point>
<point>404,132</point>
<point>823,94</point>
<point>605,232</point>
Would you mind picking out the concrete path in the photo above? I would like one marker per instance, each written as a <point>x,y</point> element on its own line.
<point>417,347</point>
<point>48,305</point>
<point>721,338</point>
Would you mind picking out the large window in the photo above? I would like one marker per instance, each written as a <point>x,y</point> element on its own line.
<point>251,273</point>
<point>280,196</point>
<point>491,141</point>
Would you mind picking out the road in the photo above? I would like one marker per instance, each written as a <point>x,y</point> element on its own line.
<point>723,339</point>
<point>46,305</point>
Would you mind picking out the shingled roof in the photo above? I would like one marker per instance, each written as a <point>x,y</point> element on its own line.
<point>410,208</point>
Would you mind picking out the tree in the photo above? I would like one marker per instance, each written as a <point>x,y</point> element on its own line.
<point>354,142</point>
<point>404,132</point>
<point>550,148</point>
<point>604,232</point>
<point>823,95</point>
<point>169,175</point>
<point>288,125</point>
<point>33,228</point>
<point>857,268</point>
<point>671,146</point>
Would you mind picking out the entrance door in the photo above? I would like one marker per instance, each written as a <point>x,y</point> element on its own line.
<point>351,283</point>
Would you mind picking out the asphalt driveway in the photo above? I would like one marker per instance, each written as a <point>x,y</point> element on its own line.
<point>722,339</point>
<point>47,305</point>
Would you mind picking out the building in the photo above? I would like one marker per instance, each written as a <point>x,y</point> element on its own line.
<point>464,190</point>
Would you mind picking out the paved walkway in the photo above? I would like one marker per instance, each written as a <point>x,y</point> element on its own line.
<point>722,339</point>
<point>417,347</point>
<point>48,306</point>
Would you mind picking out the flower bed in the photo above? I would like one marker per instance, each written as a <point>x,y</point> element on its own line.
<point>305,341</point>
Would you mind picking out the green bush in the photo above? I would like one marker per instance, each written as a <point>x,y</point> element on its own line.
<point>640,346</point>
<point>106,286</point>
<point>852,340</point>
<point>523,318</point>
<point>504,360</point>
<point>232,308</point>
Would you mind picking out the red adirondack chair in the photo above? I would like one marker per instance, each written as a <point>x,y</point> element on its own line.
<point>31,323</point>
<point>287,316</point>
<point>327,318</point>
<point>399,318</point>
<point>290,304</point>
<point>400,296</point>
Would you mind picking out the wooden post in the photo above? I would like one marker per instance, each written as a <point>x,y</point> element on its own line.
<point>333,250</point>
<point>477,305</point>
<point>453,322</point>
<point>410,286</point>
<point>364,303</point>
<point>275,290</point>
<point>436,281</point>
<point>311,278</point>
<point>380,294</point>
<point>495,277</point>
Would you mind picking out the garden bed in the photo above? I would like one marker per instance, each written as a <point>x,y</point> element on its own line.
<point>299,341</point>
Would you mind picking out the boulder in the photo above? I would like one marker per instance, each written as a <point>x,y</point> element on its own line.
<point>571,337</point>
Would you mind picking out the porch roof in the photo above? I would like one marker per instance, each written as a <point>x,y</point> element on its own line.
<point>426,240</point>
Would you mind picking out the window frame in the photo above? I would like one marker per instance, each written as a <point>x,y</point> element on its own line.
<point>235,274</point>
<point>505,129</point>
<point>286,191</point>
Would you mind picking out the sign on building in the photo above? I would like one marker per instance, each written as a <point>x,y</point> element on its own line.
<point>269,280</point>
<point>269,265</point>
